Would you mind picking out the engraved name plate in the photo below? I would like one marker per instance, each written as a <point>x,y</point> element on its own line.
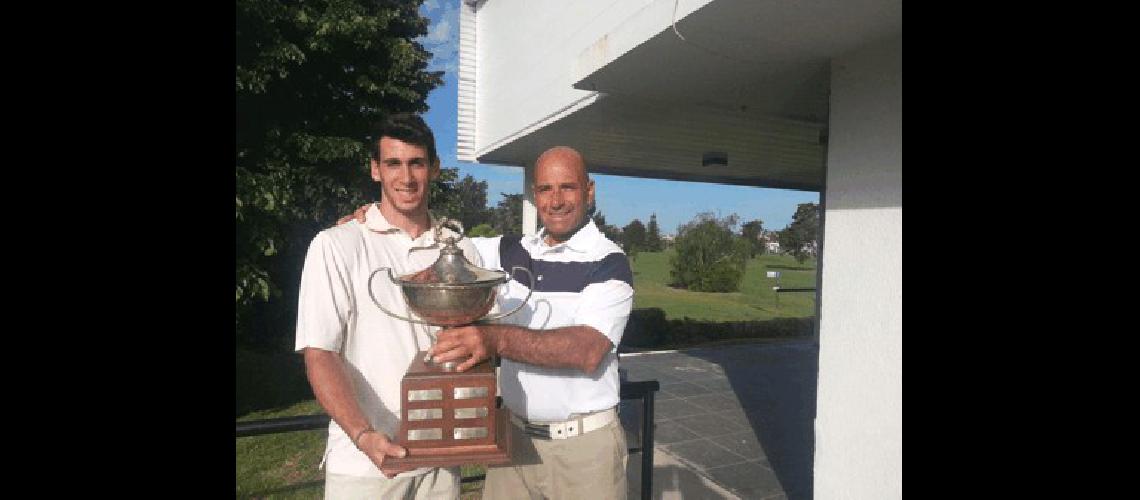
<point>426,395</point>
<point>422,434</point>
<point>470,432</point>
<point>470,392</point>
<point>425,414</point>
<point>471,412</point>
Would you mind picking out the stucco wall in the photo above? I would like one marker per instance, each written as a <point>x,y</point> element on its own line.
<point>858,428</point>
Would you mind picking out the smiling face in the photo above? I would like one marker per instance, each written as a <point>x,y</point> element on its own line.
<point>403,171</point>
<point>562,193</point>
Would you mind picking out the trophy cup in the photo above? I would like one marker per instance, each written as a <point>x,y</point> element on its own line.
<point>450,418</point>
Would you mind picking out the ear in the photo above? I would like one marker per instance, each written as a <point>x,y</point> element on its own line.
<point>590,192</point>
<point>375,170</point>
<point>433,172</point>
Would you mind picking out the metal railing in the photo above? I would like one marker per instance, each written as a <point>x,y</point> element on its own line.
<point>643,390</point>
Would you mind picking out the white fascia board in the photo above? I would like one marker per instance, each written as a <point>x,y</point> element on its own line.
<point>636,30</point>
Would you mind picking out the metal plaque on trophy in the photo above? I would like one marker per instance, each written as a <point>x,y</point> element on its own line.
<point>450,418</point>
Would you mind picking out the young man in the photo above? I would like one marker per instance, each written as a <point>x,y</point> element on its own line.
<point>559,373</point>
<point>355,354</point>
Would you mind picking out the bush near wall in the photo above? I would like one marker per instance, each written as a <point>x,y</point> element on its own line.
<point>648,328</point>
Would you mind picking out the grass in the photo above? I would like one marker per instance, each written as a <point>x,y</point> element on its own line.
<point>755,301</point>
<point>271,385</point>
<point>285,465</point>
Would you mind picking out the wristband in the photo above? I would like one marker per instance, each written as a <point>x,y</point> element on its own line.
<point>356,440</point>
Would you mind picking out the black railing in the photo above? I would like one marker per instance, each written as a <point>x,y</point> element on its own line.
<point>782,290</point>
<point>643,390</point>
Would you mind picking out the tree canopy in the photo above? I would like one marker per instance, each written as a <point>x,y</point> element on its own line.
<point>310,79</point>
<point>751,231</point>
<point>633,237</point>
<point>506,217</point>
<point>653,241</point>
<point>801,237</point>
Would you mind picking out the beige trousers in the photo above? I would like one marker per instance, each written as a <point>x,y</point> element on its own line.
<point>590,466</point>
<point>439,484</point>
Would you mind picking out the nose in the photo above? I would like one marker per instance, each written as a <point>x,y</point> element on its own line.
<point>405,174</point>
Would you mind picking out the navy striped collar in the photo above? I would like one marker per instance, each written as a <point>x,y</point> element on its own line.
<point>583,241</point>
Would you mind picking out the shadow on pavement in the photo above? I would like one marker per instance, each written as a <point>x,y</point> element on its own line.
<point>776,388</point>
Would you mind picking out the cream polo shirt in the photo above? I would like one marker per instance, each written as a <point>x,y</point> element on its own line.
<point>335,313</point>
<point>585,280</point>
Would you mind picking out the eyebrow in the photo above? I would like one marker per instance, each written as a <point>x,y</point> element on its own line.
<point>393,159</point>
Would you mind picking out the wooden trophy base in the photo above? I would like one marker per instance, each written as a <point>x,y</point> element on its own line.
<point>445,406</point>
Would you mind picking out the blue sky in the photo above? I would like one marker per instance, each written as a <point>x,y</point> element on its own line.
<point>620,199</point>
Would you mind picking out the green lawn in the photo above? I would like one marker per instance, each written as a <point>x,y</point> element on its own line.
<point>755,301</point>
<point>273,385</point>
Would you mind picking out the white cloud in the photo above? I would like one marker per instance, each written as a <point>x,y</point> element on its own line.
<point>439,32</point>
<point>442,39</point>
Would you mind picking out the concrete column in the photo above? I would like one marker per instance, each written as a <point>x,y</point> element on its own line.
<point>858,427</point>
<point>529,211</point>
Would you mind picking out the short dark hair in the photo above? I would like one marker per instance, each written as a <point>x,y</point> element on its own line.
<point>407,127</point>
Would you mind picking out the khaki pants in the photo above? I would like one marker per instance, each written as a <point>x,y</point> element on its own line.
<point>439,484</point>
<point>590,467</point>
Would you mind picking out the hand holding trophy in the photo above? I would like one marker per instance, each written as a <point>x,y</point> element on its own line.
<point>449,418</point>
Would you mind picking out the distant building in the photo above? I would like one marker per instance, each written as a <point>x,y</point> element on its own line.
<point>771,241</point>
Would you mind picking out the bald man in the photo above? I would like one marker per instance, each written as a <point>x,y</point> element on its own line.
<point>559,374</point>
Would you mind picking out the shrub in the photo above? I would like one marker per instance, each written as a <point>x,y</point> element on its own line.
<point>649,329</point>
<point>646,328</point>
<point>482,231</point>
<point>709,256</point>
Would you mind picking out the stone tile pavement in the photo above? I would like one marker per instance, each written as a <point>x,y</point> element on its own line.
<point>733,421</point>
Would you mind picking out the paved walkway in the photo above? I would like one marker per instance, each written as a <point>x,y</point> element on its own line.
<point>733,421</point>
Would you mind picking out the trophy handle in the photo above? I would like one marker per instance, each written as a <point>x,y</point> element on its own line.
<point>377,302</point>
<point>521,304</point>
<point>455,224</point>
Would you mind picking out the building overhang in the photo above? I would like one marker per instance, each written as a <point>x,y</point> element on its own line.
<point>745,83</point>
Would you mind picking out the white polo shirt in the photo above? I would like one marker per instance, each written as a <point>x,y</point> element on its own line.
<point>585,280</point>
<point>335,313</point>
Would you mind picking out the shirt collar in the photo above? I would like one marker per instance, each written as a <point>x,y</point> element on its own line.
<point>585,239</point>
<point>375,221</point>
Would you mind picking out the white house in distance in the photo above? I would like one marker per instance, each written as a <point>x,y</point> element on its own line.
<point>796,94</point>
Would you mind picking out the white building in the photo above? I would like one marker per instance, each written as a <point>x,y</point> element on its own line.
<point>799,94</point>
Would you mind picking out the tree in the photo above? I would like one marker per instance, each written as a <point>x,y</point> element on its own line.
<point>709,256</point>
<point>633,237</point>
<point>506,217</point>
<point>801,237</point>
<point>464,200</point>
<point>612,232</point>
<point>310,78</point>
<point>751,231</point>
<point>482,230</point>
<point>653,242</point>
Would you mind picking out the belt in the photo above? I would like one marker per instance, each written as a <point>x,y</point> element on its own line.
<point>567,428</point>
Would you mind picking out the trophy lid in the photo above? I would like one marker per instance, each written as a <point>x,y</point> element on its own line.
<point>452,268</point>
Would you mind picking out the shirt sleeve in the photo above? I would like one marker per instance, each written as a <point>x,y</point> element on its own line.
<point>324,304</point>
<point>488,249</point>
<point>607,301</point>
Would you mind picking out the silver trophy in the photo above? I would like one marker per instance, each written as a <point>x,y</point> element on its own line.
<point>450,418</point>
